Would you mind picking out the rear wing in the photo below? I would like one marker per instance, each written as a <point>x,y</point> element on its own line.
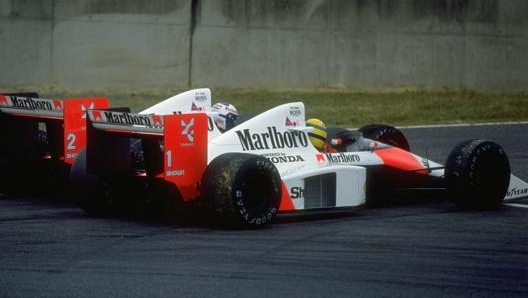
<point>22,115</point>
<point>174,147</point>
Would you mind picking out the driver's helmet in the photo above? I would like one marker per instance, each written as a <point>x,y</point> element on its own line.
<point>318,134</point>
<point>224,116</point>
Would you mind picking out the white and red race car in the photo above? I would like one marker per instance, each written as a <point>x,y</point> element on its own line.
<point>173,153</point>
<point>40,140</point>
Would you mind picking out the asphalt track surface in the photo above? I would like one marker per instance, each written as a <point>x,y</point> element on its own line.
<point>50,248</point>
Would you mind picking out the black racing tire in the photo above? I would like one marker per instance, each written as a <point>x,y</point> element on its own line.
<point>160,200</point>
<point>242,190</point>
<point>8,182</point>
<point>91,192</point>
<point>387,134</point>
<point>22,178</point>
<point>477,175</point>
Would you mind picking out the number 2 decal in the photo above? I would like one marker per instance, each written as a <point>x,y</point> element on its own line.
<point>71,138</point>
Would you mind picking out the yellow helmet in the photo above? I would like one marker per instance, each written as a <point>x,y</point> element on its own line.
<point>318,135</point>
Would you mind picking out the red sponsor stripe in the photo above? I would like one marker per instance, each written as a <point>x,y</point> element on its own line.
<point>286,201</point>
<point>399,159</point>
<point>97,115</point>
<point>3,100</point>
<point>57,104</point>
<point>157,120</point>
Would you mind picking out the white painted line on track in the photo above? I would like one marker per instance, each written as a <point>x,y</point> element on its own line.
<point>516,205</point>
<point>457,125</point>
<point>464,124</point>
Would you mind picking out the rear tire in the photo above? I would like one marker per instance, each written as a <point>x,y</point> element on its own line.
<point>91,192</point>
<point>243,190</point>
<point>477,175</point>
<point>386,134</point>
<point>8,182</point>
<point>160,200</point>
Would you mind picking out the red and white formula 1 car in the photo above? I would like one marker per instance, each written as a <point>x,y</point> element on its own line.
<point>42,137</point>
<point>266,165</point>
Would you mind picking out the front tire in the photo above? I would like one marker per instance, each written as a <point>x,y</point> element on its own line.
<point>243,190</point>
<point>477,175</point>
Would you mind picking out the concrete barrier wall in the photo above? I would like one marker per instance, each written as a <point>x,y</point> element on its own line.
<point>270,43</point>
<point>92,43</point>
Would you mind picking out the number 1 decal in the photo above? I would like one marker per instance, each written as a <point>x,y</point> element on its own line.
<point>169,158</point>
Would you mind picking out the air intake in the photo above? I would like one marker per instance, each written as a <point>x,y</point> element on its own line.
<point>320,191</point>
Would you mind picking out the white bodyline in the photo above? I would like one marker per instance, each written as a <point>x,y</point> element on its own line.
<point>457,125</point>
<point>464,124</point>
<point>516,205</point>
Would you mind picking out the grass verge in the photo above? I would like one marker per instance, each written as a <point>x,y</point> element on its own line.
<point>345,107</point>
